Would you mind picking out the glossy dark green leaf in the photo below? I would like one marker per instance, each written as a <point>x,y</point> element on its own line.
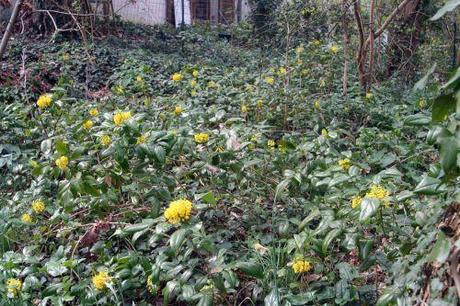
<point>369,208</point>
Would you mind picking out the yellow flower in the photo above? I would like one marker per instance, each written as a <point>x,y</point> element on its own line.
<point>13,286</point>
<point>201,138</point>
<point>324,133</point>
<point>34,164</point>
<point>93,112</point>
<point>316,42</point>
<point>301,266</point>
<point>212,84</point>
<point>317,104</point>
<point>282,146</point>
<point>38,206</point>
<point>139,78</point>
<point>282,70</point>
<point>178,211</point>
<point>259,103</point>
<point>88,124</point>
<point>244,109</point>
<point>106,140</point>
<point>178,110</point>
<point>380,193</point>
<point>345,164</point>
<point>220,149</point>
<point>195,73</point>
<point>26,218</point>
<point>271,144</point>
<point>193,93</point>
<point>300,49</point>
<point>141,139</point>
<point>193,83</point>
<point>62,162</point>
<point>356,201</point>
<point>334,49</point>
<point>65,57</point>
<point>101,279</point>
<point>269,80</point>
<point>44,101</point>
<point>120,117</point>
<point>177,77</point>
<point>322,82</point>
<point>150,286</point>
<point>369,96</point>
<point>119,90</point>
<point>422,103</point>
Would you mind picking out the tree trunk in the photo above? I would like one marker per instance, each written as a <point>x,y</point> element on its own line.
<point>404,38</point>
<point>9,28</point>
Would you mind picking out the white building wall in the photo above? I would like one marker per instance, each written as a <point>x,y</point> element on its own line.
<point>148,12</point>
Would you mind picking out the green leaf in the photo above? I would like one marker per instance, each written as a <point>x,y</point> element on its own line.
<point>251,269</point>
<point>417,120</point>
<point>273,298</point>
<point>177,238</point>
<point>441,249</point>
<point>368,208</point>
<point>448,7</point>
<point>302,298</point>
<point>329,238</point>
<point>313,214</point>
<point>421,84</point>
<point>55,268</point>
<point>206,300</point>
<point>429,186</point>
<point>443,106</point>
<point>207,198</point>
<point>386,299</point>
<point>453,80</point>
<point>448,153</point>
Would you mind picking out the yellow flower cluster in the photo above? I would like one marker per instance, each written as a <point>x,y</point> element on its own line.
<point>120,117</point>
<point>38,206</point>
<point>93,112</point>
<point>201,138</point>
<point>301,266</point>
<point>324,133</point>
<point>44,101</point>
<point>177,77</point>
<point>334,49</point>
<point>271,144</point>
<point>259,103</point>
<point>13,286</point>
<point>212,84</point>
<point>244,109</point>
<point>269,80</point>
<point>141,139</point>
<point>88,124</point>
<point>317,104</point>
<point>380,193</point>
<point>106,140</point>
<point>26,218</point>
<point>178,211</point>
<point>150,287</point>
<point>345,164</point>
<point>101,279</point>
<point>178,110</point>
<point>62,162</point>
<point>369,96</point>
<point>195,73</point>
<point>300,49</point>
<point>356,201</point>
<point>193,83</point>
